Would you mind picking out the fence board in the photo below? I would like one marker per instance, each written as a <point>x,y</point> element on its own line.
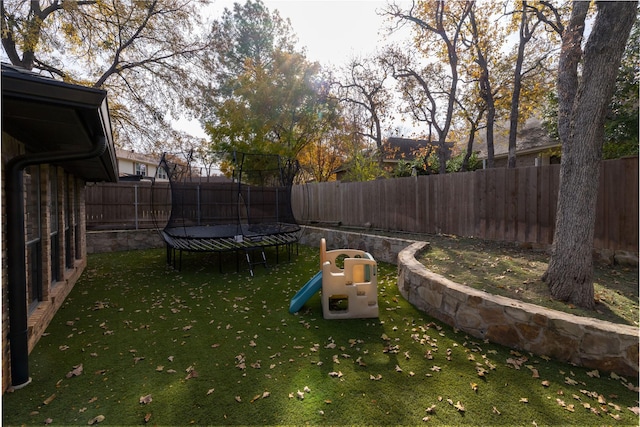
<point>496,204</point>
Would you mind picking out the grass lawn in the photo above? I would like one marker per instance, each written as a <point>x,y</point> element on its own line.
<point>137,342</point>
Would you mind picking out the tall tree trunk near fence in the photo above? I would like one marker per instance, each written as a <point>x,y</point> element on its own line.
<point>570,271</point>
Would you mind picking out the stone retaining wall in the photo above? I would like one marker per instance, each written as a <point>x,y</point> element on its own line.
<point>122,240</point>
<point>579,340</point>
<point>385,249</point>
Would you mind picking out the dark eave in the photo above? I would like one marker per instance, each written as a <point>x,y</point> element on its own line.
<point>47,115</point>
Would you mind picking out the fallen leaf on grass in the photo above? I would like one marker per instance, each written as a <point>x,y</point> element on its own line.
<point>335,374</point>
<point>459,406</point>
<point>495,411</point>
<point>48,421</point>
<point>376,377</point>
<point>635,410</point>
<point>570,381</point>
<point>144,400</point>
<point>594,373</point>
<point>431,409</point>
<point>524,400</point>
<point>49,399</point>
<point>147,417</point>
<point>474,387</point>
<point>77,370</point>
<point>96,420</point>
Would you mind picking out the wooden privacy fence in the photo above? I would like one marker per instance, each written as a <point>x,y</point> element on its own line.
<point>127,205</point>
<point>517,205</point>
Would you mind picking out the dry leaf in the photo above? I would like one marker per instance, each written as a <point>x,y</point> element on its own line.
<point>300,395</point>
<point>77,370</point>
<point>635,410</point>
<point>376,377</point>
<point>459,406</point>
<point>545,383</point>
<point>48,421</point>
<point>147,417</point>
<point>49,399</point>
<point>238,399</point>
<point>431,409</point>
<point>594,373</point>
<point>474,387</point>
<point>495,411</point>
<point>570,381</point>
<point>266,394</point>
<point>524,400</point>
<point>144,400</point>
<point>96,420</point>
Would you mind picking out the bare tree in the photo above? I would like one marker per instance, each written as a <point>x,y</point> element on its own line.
<point>439,25</point>
<point>363,86</point>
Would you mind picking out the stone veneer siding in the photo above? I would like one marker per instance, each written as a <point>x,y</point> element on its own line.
<point>579,340</point>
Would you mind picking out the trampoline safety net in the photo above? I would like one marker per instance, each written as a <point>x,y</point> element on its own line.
<point>250,211</point>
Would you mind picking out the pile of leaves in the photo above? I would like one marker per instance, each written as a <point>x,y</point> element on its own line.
<point>137,342</point>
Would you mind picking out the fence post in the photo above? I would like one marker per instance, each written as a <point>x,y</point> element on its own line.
<point>135,203</point>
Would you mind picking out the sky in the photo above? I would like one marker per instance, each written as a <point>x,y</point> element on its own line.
<point>331,31</point>
<point>334,31</point>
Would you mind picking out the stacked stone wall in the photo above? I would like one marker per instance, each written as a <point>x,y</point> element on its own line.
<point>583,341</point>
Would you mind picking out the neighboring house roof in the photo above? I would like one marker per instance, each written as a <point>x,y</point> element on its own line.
<point>51,116</point>
<point>531,138</point>
<point>137,157</point>
<point>396,148</point>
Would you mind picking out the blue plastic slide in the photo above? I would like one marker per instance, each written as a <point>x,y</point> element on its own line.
<point>306,292</point>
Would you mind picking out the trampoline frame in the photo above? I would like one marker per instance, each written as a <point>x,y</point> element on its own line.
<point>235,237</point>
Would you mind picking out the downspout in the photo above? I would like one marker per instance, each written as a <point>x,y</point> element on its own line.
<point>16,274</point>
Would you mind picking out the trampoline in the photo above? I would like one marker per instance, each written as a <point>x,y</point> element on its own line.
<point>246,214</point>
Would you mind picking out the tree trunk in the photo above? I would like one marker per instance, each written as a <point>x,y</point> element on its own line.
<point>517,87</point>
<point>570,270</point>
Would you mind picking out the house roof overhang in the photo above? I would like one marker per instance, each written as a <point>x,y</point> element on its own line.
<point>47,115</point>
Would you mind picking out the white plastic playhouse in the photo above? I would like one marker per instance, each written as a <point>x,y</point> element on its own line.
<point>349,283</point>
